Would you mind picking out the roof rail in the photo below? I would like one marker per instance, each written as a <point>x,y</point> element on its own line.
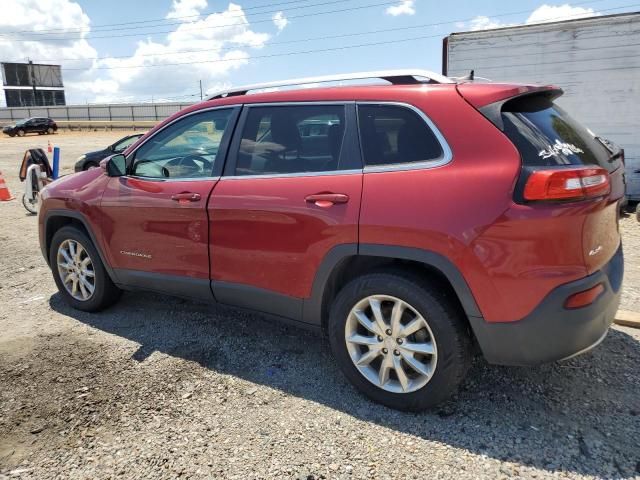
<point>396,77</point>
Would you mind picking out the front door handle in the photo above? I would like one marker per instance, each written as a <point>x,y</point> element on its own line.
<point>326,200</point>
<point>186,197</point>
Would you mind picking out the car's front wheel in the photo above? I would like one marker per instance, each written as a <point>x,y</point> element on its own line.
<point>21,133</point>
<point>79,273</point>
<point>50,131</point>
<point>399,340</point>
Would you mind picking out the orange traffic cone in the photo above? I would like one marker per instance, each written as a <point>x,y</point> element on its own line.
<point>5,194</point>
<point>49,147</point>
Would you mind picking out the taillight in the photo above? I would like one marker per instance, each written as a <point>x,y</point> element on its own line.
<point>567,184</point>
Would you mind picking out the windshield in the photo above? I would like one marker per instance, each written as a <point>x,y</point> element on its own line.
<point>122,145</point>
<point>21,122</point>
<point>546,135</point>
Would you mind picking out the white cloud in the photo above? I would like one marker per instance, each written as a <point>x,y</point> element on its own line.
<point>280,21</point>
<point>482,22</point>
<point>64,17</point>
<point>406,7</point>
<point>48,22</point>
<point>544,13</point>
<point>218,44</point>
<point>551,13</point>
<point>186,8</point>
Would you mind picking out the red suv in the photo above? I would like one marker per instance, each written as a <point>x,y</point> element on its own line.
<point>410,222</point>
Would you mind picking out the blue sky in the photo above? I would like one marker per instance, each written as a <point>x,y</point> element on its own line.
<point>224,48</point>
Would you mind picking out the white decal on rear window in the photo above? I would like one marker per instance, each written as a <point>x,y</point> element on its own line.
<point>559,147</point>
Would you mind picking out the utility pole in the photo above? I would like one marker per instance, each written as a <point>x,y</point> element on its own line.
<point>201,90</point>
<point>32,77</point>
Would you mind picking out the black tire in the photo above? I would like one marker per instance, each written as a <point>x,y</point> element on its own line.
<point>105,293</point>
<point>32,208</point>
<point>89,165</point>
<point>21,133</point>
<point>50,131</point>
<point>12,134</point>
<point>638,212</point>
<point>444,319</point>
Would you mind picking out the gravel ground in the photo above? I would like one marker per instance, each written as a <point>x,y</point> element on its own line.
<point>164,388</point>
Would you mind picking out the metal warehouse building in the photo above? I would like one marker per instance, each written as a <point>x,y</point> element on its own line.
<point>595,60</point>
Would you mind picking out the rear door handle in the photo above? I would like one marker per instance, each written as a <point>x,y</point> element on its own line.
<point>326,200</point>
<point>185,197</point>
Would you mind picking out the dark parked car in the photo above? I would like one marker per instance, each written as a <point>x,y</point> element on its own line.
<point>39,125</point>
<point>417,223</point>
<point>92,159</point>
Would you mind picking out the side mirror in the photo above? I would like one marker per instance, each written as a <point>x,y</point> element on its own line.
<point>115,165</point>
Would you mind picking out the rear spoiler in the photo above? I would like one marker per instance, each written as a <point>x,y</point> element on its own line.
<point>490,98</point>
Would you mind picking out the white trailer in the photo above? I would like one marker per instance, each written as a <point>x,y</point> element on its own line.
<point>596,61</point>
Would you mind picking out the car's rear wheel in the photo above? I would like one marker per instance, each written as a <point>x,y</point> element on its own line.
<point>79,273</point>
<point>399,340</point>
<point>21,133</point>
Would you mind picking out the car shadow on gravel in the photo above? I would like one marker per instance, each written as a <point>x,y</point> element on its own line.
<point>581,416</point>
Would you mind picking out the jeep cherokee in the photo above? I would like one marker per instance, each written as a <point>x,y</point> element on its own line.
<point>411,222</point>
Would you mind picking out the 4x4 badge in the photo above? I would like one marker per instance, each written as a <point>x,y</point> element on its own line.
<point>595,251</point>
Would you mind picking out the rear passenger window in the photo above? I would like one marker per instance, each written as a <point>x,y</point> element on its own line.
<point>291,139</point>
<point>393,134</point>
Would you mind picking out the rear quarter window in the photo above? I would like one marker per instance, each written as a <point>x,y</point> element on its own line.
<point>392,135</point>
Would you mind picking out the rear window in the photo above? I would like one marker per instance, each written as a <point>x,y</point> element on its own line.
<point>545,135</point>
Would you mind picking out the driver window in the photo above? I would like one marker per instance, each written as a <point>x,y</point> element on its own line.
<point>186,149</point>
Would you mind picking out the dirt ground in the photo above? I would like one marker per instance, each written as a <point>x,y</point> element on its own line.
<point>163,388</point>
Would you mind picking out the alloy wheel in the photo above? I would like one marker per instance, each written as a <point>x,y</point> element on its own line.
<point>391,344</point>
<point>75,268</point>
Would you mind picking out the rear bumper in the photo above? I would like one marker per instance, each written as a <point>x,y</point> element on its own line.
<point>552,332</point>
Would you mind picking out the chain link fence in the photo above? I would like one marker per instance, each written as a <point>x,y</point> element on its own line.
<point>97,115</point>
